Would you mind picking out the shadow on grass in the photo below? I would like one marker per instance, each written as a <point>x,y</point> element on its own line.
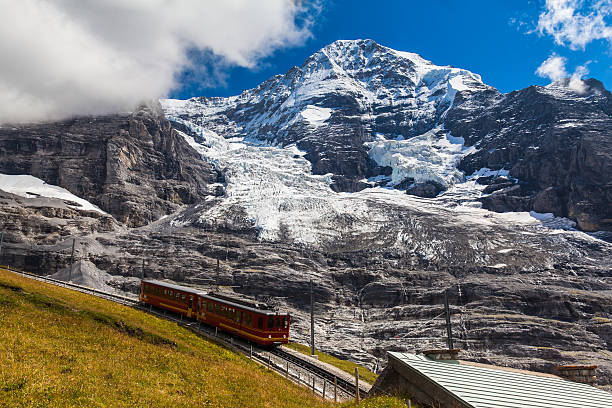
<point>126,328</point>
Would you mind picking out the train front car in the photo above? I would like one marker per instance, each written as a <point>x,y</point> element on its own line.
<point>250,320</point>
<point>179,299</point>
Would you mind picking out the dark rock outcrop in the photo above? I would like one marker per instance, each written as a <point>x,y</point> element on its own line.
<point>135,167</point>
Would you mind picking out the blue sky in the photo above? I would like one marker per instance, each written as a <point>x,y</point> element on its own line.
<point>497,39</point>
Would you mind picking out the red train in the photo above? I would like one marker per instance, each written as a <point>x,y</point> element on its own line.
<point>252,321</point>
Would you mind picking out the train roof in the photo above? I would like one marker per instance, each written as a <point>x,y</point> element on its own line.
<point>175,287</point>
<point>241,303</point>
<point>244,304</point>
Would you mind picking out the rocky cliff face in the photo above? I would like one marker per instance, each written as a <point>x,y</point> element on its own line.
<point>135,167</point>
<point>555,141</point>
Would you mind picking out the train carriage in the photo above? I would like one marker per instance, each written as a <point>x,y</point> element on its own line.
<point>253,321</point>
<point>250,320</point>
<point>179,299</point>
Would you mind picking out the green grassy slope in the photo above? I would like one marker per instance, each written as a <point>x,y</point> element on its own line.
<point>345,365</point>
<point>60,348</point>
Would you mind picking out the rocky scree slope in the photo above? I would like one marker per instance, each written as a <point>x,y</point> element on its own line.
<point>368,115</point>
<point>133,166</point>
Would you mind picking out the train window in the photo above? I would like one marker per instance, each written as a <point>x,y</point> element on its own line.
<point>165,292</point>
<point>260,322</point>
<point>277,322</point>
<point>183,298</point>
<point>190,302</point>
<point>270,322</point>
<point>238,316</point>
<point>210,307</point>
<point>284,323</point>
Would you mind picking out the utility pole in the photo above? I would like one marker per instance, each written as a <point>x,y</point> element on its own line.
<point>217,277</point>
<point>312,343</point>
<point>71,261</point>
<point>449,331</point>
<point>357,395</point>
<point>142,271</point>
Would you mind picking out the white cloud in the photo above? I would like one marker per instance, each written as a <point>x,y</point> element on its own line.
<point>66,57</point>
<point>576,23</point>
<point>553,68</point>
<point>576,83</point>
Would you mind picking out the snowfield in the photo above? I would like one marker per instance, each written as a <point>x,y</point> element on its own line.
<point>31,187</point>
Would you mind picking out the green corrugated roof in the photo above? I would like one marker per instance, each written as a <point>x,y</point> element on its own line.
<point>482,387</point>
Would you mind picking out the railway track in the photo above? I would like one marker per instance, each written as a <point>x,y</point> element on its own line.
<point>299,369</point>
<point>347,387</point>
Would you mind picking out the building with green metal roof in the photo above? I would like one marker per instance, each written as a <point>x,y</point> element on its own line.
<point>458,384</point>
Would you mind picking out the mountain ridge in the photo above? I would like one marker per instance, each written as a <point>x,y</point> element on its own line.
<point>355,94</point>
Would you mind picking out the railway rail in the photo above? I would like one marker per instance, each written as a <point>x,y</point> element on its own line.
<point>299,369</point>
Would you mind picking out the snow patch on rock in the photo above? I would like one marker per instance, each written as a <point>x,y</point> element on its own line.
<point>30,187</point>
<point>316,115</point>
<point>487,172</point>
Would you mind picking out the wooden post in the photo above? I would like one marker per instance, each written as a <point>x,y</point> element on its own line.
<point>313,385</point>
<point>269,361</point>
<point>215,331</point>
<point>251,352</point>
<point>142,271</point>
<point>335,389</point>
<point>287,370</point>
<point>357,396</point>
<point>71,261</point>
<point>217,275</point>
<point>312,343</point>
<point>449,331</point>
<point>1,241</point>
<point>324,384</point>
